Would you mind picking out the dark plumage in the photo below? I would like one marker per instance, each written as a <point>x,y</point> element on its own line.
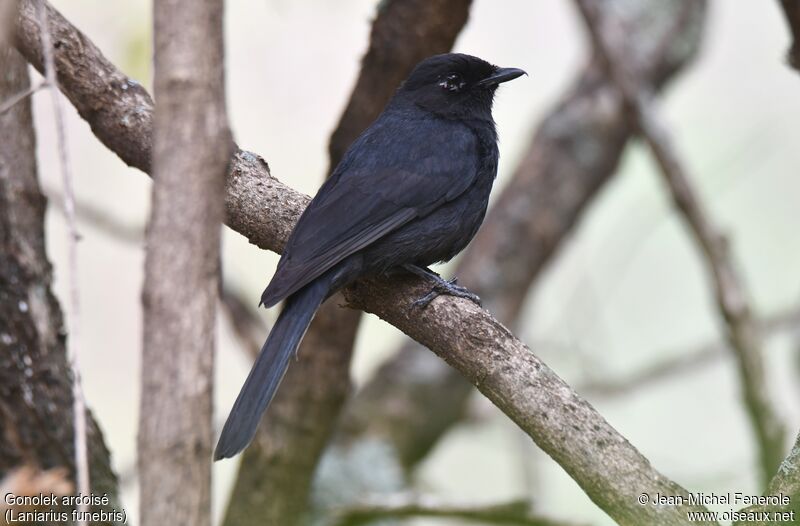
<point>411,191</point>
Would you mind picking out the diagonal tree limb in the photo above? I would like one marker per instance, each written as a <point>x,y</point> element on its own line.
<point>414,399</point>
<point>15,99</point>
<point>36,394</point>
<point>275,474</point>
<point>608,468</point>
<point>731,295</point>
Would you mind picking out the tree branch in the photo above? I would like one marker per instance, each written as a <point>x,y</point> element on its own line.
<point>686,361</point>
<point>79,411</point>
<point>611,471</point>
<point>732,298</point>
<point>192,146</point>
<point>15,99</point>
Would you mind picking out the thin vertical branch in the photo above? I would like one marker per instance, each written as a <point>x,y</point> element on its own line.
<point>79,404</point>
<point>191,147</point>
<point>731,295</point>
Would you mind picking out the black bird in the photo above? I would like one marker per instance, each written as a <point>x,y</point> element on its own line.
<point>411,191</point>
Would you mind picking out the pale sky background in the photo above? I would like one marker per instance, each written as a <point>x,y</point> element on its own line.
<point>626,289</point>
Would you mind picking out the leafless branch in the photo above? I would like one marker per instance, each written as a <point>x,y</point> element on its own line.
<point>246,324</point>
<point>248,327</point>
<point>686,361</point>
<point>611,471</point>
<point>99,218</point>
<point>732,298</point>
<point>81,446</point>
<point>19,97</point>
<point>791,9</point>
<point>191,148</point>
<point>516,513</point>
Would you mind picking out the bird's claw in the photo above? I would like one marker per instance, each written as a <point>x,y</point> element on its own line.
<point>448,288</point>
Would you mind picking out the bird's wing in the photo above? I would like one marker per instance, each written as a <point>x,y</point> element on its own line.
<point>388,177</point>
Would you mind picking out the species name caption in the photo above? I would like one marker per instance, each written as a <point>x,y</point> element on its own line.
<point>52,508</point>
<point>752,508</point>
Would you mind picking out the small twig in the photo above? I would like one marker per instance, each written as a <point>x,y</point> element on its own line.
<point>517,512</point>
<point>732,299</point>
<point>79,404</point>
<point>19,97</point>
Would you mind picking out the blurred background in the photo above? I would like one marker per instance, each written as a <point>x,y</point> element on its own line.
<point>626,290</point>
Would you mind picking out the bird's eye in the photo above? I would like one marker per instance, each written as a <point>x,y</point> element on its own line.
<point>452,82</point>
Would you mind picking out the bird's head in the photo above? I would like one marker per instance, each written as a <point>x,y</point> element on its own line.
<point>455,85</point>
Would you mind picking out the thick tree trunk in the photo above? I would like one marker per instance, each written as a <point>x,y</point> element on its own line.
<point>36,411</point>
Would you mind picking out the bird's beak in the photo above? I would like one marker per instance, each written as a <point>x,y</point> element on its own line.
<point>502,75</point>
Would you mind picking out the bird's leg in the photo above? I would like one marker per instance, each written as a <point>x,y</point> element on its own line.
<point>440,286</point>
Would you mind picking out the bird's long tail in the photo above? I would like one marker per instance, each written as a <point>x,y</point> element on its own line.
<point>269,368</point>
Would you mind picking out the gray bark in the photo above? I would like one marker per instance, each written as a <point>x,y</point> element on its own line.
<point>192,145</point>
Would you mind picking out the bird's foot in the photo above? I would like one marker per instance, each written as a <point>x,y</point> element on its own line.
<point>449,288</point>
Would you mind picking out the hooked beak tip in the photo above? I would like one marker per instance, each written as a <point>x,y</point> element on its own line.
<point>503,75</point>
